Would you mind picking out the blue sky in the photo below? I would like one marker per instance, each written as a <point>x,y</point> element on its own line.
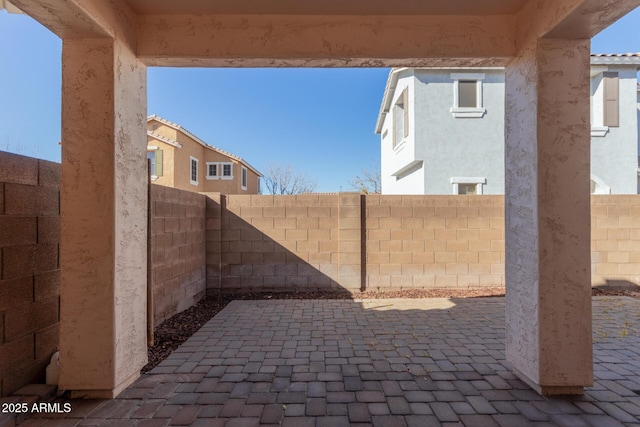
<point>319,120</point>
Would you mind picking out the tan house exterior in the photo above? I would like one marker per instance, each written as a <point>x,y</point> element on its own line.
<point>179,159</point>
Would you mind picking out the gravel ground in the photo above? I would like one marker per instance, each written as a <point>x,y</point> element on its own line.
<point>174,331</point>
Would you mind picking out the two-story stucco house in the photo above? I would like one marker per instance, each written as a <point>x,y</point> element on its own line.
<point>442,129</point>
<point>615,124</point>
<point>181,160</point>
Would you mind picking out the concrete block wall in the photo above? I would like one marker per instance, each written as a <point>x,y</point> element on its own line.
<point>213,240</point>
<point>177,267</point>
<point>275,242</point>
<point>244,243</point>
<point>350,241</point>
<point>615,239</point>
<point>30,270</point>
<point>353,242</point>
<point>434,242</point>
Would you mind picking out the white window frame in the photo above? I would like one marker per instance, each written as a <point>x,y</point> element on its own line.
<point>222,165</point>
<point>217,176</point>
<point>191,160</point>
<point>401,104</point>
<point>465,112</point>
<point>479,181</point>
<point>244,178</point>
<point>151,149</point>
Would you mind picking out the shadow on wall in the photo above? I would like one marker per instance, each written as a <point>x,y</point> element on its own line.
<point>177,250</point>
<point>290,247</point>
<point>352,241</point>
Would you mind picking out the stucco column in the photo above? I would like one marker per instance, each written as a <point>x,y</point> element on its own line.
<point>104,218</point>
<point>548,313</point>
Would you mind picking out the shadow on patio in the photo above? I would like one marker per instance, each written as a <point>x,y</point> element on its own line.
<point>412,362</point>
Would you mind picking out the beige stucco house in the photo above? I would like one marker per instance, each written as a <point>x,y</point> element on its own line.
<point>181,160</point>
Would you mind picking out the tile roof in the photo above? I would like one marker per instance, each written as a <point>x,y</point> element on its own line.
<point>632,58</point>
<point>201,142</point>
<point>616,55</point>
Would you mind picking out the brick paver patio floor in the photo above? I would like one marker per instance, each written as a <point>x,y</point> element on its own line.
<point>374,362</point>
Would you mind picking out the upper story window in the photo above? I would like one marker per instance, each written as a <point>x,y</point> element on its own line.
<point>467,95</point>
<point>193,178</point>
<point>227,170</point>
<point>244,178</point>
<point>212,170</point>
<point>401,118</point>
<point>219,170</point>
<point>605,108</point>
<point>154,156</point>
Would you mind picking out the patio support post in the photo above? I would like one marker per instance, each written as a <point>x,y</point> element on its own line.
<point>104,217</point>
<point>547,213</point>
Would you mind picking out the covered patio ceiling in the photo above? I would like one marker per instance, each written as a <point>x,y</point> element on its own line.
<point>332,33</point>
<point>327,7</point>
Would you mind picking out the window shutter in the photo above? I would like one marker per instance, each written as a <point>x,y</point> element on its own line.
<point>611,99</point>
<point>158,162</point>
<point>405,102</point>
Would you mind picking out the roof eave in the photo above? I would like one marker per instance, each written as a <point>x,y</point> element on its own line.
<point>201,142</point>
<point>164,139</point>
<point>632,59</point>
<point>390,86</point>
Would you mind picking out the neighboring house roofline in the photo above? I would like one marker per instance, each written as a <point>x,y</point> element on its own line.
<point>616,59</point>
<point>10,7</point>
<point>392,79</point>
<point>392,82</point>
<point>390,87</point>
<point>164,139</point>
<point>201,142</point>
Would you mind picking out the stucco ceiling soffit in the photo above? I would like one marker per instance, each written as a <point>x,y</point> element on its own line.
<point>315,62</point>
<point>590,17</point>
<point>568,19</point>
<point>314,37</point>
<point>77,19</point>
<point>63,17</point>
<point>327,7</point>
